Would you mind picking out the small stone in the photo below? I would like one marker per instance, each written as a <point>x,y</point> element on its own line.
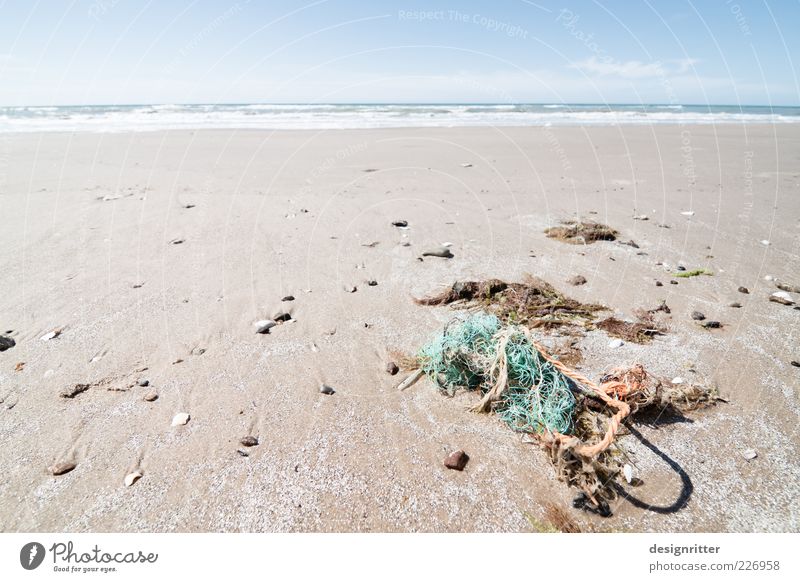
<point>150,397</point>
<point>616,343</point>
<point>132,478</point>
<point>61,468</point>
<point>781,297</point>
<point>795,363</point>
<point>736,304</point>
<point>788,288</point>
<point>749,454</point>
<point>677,380</point>
<point>688,213</point>
<point>143,382</point>
<point>73,391</point>
<point>288,298</point>
<point>769,278</point>
<point>177,241</point>
<point>681,268</point>
<point>744,290</point>
<point>249,441</point>
<point>351,289</point>
<point>673,282</point>
<point>577,280</point>
<point>466,165</point>
<point>443,253</point>
<point>282,317</point>
<point>712,324</point>
<point>6,343</point>
<point>265,325</point>
<point>659,284</point>
<point>765,242</point>
<point>372,283</point>
<point>400,223</point>
<point>180,419</point>
<point>392,368</point>
<point>456,460</point>
<point>697,316</point>
<point>327,390</point>
<point>242,453</point>
<point>641,217</point>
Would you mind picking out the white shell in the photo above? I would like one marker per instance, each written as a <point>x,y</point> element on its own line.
<point>616,343</point>
<point>48,336</point>
<point>132,478</point>
<point>447,244</point>
<point>783,295</point>
<point>180,418</point>
<point>466,165</point>
<point>769,278</point>
<point>765,242</point>
<point>688,213</point>
<point>677,380</point>
<point>627,470</point>
<point>749,454</point>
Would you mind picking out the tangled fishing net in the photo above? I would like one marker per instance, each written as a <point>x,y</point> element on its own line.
<point>574,420</point>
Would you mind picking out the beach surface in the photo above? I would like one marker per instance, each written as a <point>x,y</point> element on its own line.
<point>152,256</point>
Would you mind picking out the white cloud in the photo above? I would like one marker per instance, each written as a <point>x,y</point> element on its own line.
<point>609,67</point>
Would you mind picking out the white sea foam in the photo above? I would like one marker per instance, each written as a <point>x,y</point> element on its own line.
<point>329,116</point>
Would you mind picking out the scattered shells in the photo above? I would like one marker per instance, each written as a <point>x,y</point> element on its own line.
<point>177,241</point>
<point>282,317</point>
<point>781,297</point>
<point>180,419</point>
<point>749,454</point>
<point>765,242</point>
<point>769,278</point>
<point>61,468</point>
<point>372,283</point>
<point>616,343</point>
<point>787,287</point>
<point>641,217</point>
<point>327,390</point>
<point>456,460</point>
<point>351,288</point>
<point>249,441</point>
<point>132,478</point>
<point>466,165</point>
<point>51,335</point>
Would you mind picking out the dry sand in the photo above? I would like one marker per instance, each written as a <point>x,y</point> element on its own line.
<point>87,221</point>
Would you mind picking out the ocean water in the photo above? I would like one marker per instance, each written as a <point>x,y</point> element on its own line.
<point>117,118</point>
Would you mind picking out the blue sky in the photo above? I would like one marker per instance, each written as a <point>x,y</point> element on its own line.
<point>199,51</point>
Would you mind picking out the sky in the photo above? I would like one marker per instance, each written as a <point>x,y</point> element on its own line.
<point>62,52</point>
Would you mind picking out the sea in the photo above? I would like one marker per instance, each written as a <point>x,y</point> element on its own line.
<point>125,118</point>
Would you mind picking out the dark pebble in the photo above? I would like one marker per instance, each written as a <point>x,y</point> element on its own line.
<point>795,363</point>
<point>6,343</point>
<point>392,368</point>
<point>659,284</point>
<point>325,389</point>
<point>242,453</point>
<point>249,441</point>
<point>697,316</point>
<point>73,391</point>
<point>736,304</point>
<point>372,283</point>
<point>288,298</point>
<point>744,290</point>
<point>456,460</point>
<point>283,317</point>
<point>61,468</point>
<point>673,282</point>
<point>143,382</point>
<point>577,280</point>
<point>712,325</point>
<point>400,223</point>
<point>681,268</point>
<point>442,253</point>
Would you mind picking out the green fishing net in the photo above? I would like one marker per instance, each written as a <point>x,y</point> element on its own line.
<point>465,355</point>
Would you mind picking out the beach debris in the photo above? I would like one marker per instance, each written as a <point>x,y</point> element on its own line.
<point>370,245</point>
<point>73,391</point>
<point>443,253</point>
<point>697,316</point>
<point>456,460</point>
<point>242,453</point>
<point>466,165</point>
<point>61,468</point>
<point>143,382</point>
<point>749,454</point>
<point>327,390</point>
<point>19,367</point>
<point>412,379</point>
<point>781,297</point>
<point>177,241</point>
<point>51,335</point>
<point>711,324</point>
<point>641,217</point>
<point>744,290</point>
<point>249,441</point>
<point>735,304</point>
<point>265,325</point>
<point>351,288</point>
<point>640,331</point>
<point>630,243</point>
<point>400,223</point>
<point>533,302</point>
<point>627,471</point>
<point>575,232</point>
<point>688,213</point>
<point>180,419</point>
<point>577,280</point>
<point>693,273</point>
<point>616,343</point>
<point>150,397</point>
<point>6,343</point>
<point>132,478</point>
<point>288,298</point>
<point>788,288</point>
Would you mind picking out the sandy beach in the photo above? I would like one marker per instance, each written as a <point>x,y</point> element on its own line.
<point>153,256</point>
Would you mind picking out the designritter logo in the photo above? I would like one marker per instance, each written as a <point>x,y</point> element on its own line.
<point>31,555</point>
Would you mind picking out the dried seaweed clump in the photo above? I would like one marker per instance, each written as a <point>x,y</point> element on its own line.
<point>642,330</point>
<point>581,233</point>
<point>534,302</point>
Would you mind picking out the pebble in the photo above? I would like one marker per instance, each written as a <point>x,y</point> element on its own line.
<point>795,363</point>
<point>688,213</point>
<point>744,290</point>
<point>765,242</point>
<point>143,382</point>
<point>282,317</point>
<point>249,441</point>
<point>749,454</point>
<point>327,390</point>
<point>677,380</point>
<point>392,368</point>
<point>641,217</point>
<point>73,391</point>
<point>372,283</point>
<point>456,460</point>
<point>781,297</point>
<point>61,468</point>
<point>577,280</point>
<point>712,324</point>
<point>443,253</point>
<point>6,343</point>
<point>466,165</point>
<point>351,289</point>
<point>769,278</point>
<point>288,298</point>
<point>180,419</point>
<point>265,325</point>
<point>616,343</point>
<point>659,284</point>
<point>787,287</point>
<point>627,471</point>
<point>400,223</point>
<point>736,304</point>
<point>132,478</point>
<point>697,316</point>
<point>150,397</point>
<point>673,282</point>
